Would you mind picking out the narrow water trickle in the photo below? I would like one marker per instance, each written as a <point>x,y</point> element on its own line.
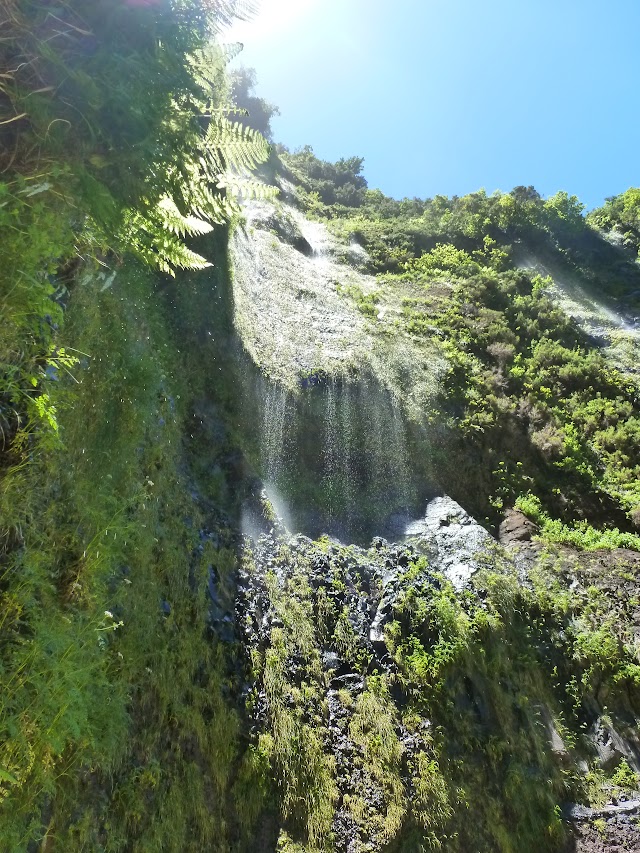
<point>273,436</point>
<point>348,450</point>
<point>332,475</point>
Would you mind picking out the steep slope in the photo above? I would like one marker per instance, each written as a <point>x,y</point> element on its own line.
<point>205,641</point>
<point>394,689</point>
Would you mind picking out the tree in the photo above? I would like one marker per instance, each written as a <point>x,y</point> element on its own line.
<point>564,210</point>
<point>258,111</point>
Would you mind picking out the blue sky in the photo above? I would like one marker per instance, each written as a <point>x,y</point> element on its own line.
<point>447,96</point>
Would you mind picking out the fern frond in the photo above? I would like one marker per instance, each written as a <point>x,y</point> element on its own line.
<point>208,66</point>
<point>174,253</point>
<point>204,185</point>
<point>241,147</point>
<point>224,12</point>
<point>232,50</point>
<point>147,237</point>
<point>248,188</point>
<point>207,202</point>
<point>179,224</point>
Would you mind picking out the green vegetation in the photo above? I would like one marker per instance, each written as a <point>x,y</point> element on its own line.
<point>115,727</point>
<point>132,717</point>
<point>366,302</point>
<point>462,722</point>
<point>325,185</point>
<point>583,535</point>
<point>253,112</point>
<point>112,681</point>
<point>529,403</point>
<point>620,215</point>
<point>532,405</point>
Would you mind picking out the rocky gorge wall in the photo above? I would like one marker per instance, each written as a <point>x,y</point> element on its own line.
<point>434,688</point>
<point>292,639</point>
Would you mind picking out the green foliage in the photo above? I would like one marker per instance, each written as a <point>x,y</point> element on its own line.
<point>103,693</point>
<point>432,632</point>
<point>524,391</point>
<point>255,112</point>
<point>133,145</point>
<point>373,728</point>
<point>430,806</point>
<point>621,214</point>
<point>117,730</point>
<point>114,727</point>
<point>365,302</point>
<point>443,259</point>
<point>625,777</point>
<point>339,183</point>
<point>567,211</point>
<point>304,772</point>
<point>581,535</point>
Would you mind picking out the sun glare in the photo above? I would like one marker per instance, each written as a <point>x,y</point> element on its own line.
<point>272,17</point>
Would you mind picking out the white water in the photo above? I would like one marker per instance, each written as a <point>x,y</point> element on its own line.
<point>288,311</point>
<point>273,432</point>
<point>296,323</point>
<point>335,388</point>
<point>335,458</point>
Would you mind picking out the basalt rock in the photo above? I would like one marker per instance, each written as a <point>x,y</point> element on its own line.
<point>454,542</point>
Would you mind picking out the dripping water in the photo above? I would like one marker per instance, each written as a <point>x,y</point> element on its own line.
<point>273,433</point>
<point>333,440</point>
<point>335,457</point>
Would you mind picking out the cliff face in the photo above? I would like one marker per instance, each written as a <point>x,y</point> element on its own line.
<point>266,588</point>
<point>397,690</point>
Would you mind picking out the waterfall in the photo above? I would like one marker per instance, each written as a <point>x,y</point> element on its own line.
<point>334,457</point>
<point>323,412</point>
<point>272,434</point>
<point>347,448</point>
<point>613,323</point>
<point>333,443</point>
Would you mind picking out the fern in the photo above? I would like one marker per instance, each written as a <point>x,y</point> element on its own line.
<point>205,190</point>
<point>223,12</point>
<point>230,145</point>
<point>247,187</point>
<point>154,240</point>
<point>179,224</point>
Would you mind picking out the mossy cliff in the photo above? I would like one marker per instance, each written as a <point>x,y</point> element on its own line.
<point>205,644</point>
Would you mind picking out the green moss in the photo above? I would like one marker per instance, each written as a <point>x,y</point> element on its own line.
<point>373,729</point>
<point>124,684</point>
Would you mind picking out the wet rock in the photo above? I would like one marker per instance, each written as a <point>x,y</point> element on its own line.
<point>556,742</point>
<point>574,811</point>
<point>382,617</point>
<point>611,747</point>
<point>279,222</point>
<point>453,540</point>
<point>352,680</point>
<point>516,528</point>
<point>331,661</point>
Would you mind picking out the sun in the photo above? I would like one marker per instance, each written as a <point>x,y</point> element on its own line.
<point>272,17</point>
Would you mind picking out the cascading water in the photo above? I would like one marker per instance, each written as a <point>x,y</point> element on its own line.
<point>272,434</point>
<point>334,457</point>
<point>330,397</point>
<point>336,428</point>
<point>615,325</point>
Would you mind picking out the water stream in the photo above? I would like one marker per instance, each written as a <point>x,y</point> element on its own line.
<point>614,326</point>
